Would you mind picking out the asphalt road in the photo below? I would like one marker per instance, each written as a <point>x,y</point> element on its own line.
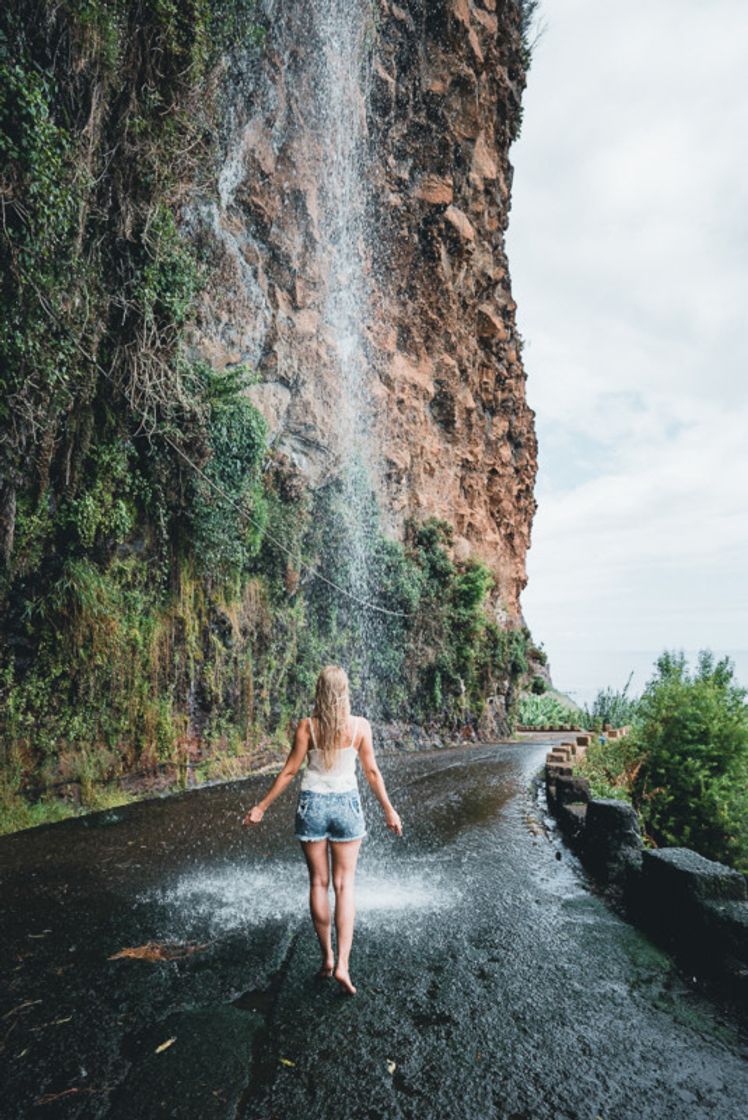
<point>492,981</point>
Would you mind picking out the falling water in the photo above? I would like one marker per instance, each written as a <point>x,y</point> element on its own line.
<point>341,28</point>
<point>329,99</point>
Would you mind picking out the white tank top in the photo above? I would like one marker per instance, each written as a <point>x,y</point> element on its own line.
<point>340,777</point>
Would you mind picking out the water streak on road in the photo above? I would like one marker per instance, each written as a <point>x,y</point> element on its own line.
<point>492,981</point>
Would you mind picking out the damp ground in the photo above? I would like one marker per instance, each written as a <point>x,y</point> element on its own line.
<point>492,981</point>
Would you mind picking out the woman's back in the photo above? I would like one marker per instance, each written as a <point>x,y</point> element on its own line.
<point>341,776</point>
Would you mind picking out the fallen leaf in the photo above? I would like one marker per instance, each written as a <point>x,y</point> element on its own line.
<point>165,1045</point>
<point>286,1062</point>
<point>391,1066</point>
<point>158,951</point>
<point>48,1098</point>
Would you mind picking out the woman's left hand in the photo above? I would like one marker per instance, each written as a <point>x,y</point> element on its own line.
<point>254,816</point>
<point>393,822</point>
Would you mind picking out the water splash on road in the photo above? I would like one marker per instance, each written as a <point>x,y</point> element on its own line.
<point>223,900</point>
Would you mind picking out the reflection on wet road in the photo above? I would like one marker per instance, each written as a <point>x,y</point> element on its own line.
<point>492,982</point>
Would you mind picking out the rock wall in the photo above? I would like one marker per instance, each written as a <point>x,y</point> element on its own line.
<point>696,907</point>
<point>446,409</point>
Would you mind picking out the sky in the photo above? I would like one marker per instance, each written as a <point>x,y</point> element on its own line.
<point>628,254</point>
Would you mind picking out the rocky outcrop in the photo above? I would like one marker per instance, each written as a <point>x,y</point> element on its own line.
<point>444,399</point>
<point>445,110</point>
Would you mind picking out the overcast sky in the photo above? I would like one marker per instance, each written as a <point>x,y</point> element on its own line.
<point>628,252</point>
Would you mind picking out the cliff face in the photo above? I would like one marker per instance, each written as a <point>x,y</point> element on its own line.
<point>429,110</point>
<point>318,191</point>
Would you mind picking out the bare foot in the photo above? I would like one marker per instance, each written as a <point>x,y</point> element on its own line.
<point>342,977</point>
<point>327,967</point>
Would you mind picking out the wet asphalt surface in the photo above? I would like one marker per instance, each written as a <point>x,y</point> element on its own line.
<point>492,981</point>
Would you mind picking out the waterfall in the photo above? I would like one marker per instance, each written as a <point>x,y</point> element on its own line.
<point>342,30</point>
<point>304,131</point>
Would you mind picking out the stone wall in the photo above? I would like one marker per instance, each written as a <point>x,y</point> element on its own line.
<point>696,907</point>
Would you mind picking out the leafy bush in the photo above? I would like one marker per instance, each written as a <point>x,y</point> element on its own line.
<point>612,766</point>
<point>545,711</point>
<point>610,706</point>
<point>684,765</point>
<point>223,538</point>
<point>692,729</point>
<point>437,657</point>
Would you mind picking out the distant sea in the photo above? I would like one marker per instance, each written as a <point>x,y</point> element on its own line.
<point>581,673</point>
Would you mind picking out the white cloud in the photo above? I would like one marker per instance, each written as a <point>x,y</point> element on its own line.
<point>627,246</point>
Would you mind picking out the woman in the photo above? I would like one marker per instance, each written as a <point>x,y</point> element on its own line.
<point>329,819</point>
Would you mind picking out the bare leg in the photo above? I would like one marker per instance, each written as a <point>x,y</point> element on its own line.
<point>315,853</point>
<point>344,857</point>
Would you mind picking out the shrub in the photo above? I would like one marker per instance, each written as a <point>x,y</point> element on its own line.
<point>692,788</point>
<point>612,766</point>
<point>684,764</point>
<point>611,706</point>
<point>545,711</point>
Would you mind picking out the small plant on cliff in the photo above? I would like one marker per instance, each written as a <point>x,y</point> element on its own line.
<point>531,29</point>
<point>228,510</point>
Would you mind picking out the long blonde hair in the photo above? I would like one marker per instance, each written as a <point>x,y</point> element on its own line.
<point>332,709</point>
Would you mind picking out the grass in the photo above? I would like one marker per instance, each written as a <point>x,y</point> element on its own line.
<point>17,813</point>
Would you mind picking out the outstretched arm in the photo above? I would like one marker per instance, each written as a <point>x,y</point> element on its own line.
<point>288,773</point>
<point>376,781</point>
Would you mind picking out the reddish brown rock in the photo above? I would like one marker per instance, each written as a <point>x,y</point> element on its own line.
<point>490,324</point>
<point>483,165</point>
<point>434,189</point>
<point>454,432</point>
<point>460,222</point>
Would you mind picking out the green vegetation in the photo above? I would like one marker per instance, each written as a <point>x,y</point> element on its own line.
<point>684,764</point>
<point>106,120</point>
<point>530,30</point>
<point>250,659</point>
<point>546,710</point>
<point>612,766</point>
<point>611,706</point>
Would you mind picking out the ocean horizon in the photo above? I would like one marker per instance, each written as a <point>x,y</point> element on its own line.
<point>582,673</point>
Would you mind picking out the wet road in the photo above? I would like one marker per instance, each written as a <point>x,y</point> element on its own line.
<point>491,981</point>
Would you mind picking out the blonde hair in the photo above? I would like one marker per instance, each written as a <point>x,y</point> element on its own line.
<point>332,709</point>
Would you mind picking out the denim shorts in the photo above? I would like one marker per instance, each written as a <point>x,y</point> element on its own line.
<point>329,816</point>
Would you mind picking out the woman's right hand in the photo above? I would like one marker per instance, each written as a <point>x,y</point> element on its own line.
<point>393,822</point>
<point>254,816</point>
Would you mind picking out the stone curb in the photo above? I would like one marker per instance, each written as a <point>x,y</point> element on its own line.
<point>697,907</point>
